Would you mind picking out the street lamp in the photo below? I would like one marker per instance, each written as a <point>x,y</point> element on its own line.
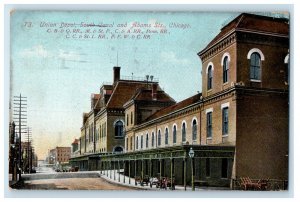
<point>192,154</point>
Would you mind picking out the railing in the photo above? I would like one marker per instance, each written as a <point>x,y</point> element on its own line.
<point>134,78</point>
<point>271,184</point>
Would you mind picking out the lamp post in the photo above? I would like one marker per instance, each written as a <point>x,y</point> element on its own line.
<point>192,154</point>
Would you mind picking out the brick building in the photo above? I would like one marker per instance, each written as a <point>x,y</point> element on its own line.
<point>103,127</point>
<point>59,155</point>
<point>238,125</point>
<point>245,94</point>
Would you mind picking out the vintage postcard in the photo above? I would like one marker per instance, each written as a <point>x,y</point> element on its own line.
<point>149,101</point>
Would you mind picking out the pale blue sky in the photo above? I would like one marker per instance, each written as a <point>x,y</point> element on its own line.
<point>58,75</point>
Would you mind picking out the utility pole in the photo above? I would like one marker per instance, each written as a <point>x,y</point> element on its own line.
<point>29,148</point>
<point>20,117</point>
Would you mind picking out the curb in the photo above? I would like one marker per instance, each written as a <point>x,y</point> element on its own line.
<point>124,185</point>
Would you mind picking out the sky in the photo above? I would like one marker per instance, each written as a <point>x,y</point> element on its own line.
<point>58,71</point>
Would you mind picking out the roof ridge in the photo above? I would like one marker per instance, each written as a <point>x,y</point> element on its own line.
<point>239,21</point>
<point>114,89</point>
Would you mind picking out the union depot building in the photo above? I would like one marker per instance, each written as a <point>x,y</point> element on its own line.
<point>237,127</point>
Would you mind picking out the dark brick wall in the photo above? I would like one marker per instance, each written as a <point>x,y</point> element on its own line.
<point>262,135</point>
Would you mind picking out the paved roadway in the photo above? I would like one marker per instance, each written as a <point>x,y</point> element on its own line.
<point>46,178</point>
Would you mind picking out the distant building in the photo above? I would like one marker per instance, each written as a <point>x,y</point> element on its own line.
<point>75,148</point>
<point>59,155</point>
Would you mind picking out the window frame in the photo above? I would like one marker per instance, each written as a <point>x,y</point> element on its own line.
<point>119,129</point>
<point>166,136</point>
<point>152,139</point>
<point>159,138</point>
<point>225,69</point>
<point>194,130</point>
<point>209,77</point>
<point>225,121</point>
<point>183,124</point>
<point>147,140</point>
<point>174,134</point>
<point>209,125</point>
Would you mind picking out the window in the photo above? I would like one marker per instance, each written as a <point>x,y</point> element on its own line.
<point>209,124</point>
<point>92,132</point>
<point>225,69</point>
<point>174,134</point>
<point>255,63</point>
<point>207,167</point>
<point>100,130</point>
<point>225,121</point>
<point>119,129</point>
<point>147,140</point>
<point>159,138</point>
<point>183,132</point>
<point>127,121</point>
<point>131,140</point>
<point>131,118</point>
<point>152,139</point>
<point>142,141</point>
<point>166,136</point>
<point>194,128</point>
<point>126,144</point>
<point>209,78</point>
<point>137,143</point>
<point>224,168</point>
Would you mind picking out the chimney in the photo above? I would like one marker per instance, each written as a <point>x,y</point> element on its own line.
<point>116,74</point>
<point>154,91</point>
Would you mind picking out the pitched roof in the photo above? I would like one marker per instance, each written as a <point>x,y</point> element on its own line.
<point>180,105</point>
<point>122,92</point>
<point>144,94</point>
<point>251,22</point>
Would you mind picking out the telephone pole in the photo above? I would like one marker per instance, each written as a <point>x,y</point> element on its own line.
<point>29,149</point>
<point>20,117</point>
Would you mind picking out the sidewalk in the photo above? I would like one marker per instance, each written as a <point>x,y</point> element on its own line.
<point>118,178</point>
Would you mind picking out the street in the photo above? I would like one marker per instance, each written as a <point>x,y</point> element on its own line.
<point>46,178</point>
<point>73,184</point>
<point>68,181</point>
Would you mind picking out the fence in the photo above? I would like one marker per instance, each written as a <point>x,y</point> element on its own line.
<point>271,184</point>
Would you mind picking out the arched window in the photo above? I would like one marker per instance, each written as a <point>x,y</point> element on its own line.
<point>183,132</point>
<point>119,129</point>
<point>225,69</point>
<point>152,139</point>
<point>159,138</point>
<point>174,134</point>
<point>255,66</point>
<point>194,128</point>
<point>118,149</point>
<point>142,141</point>
<point>131,140</point>
<point>137,143</point>
<point>166,136</point>
<point>209,78</point>
<point>147,140</point>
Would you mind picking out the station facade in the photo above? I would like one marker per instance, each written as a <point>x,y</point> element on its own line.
<point>237,127</point>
